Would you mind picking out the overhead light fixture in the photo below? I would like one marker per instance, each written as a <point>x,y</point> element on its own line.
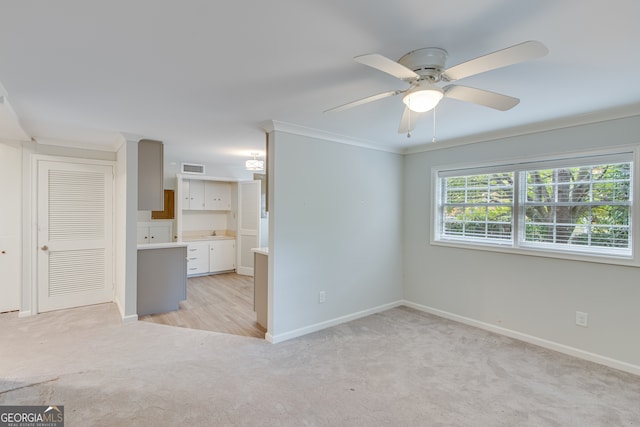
<point>423,98</point>
<point>254,164</point>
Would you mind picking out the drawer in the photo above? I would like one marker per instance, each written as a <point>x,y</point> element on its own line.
<point>197,258</point>
<point>197,265</point>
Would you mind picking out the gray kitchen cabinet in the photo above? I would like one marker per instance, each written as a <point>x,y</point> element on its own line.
<point>150,175</point>
<point>162,278</point>
<point>260,286</point>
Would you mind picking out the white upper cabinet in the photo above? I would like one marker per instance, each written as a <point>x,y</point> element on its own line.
<point>217,196</point>
<point>200,194</point>
<point>193,194</point>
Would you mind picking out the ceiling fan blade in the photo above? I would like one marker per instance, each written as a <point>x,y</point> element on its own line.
<point>363,101</point>
<point>408,121</point>
<point>387,65</point>
<point>512,55</point>
<point>481,97</point>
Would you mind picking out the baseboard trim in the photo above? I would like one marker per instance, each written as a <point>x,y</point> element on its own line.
<point>551,345</point>
<point>274,339</point>
<point>245,271</point>
<point>269,338</point>
<point>25,313</point>
<point>130,318</point>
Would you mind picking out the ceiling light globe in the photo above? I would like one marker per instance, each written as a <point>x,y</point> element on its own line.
<point>422,100</point>
<point>254,165</point>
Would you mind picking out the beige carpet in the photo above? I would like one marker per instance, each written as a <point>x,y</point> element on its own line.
<point>397,368</point>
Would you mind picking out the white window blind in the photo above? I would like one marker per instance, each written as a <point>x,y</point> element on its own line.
<point>478,206</point>
<point>580,204</point>
<point>578,207</point>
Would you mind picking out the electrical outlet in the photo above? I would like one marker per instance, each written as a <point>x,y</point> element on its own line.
<point>582,319</point>
<point>322,297</point>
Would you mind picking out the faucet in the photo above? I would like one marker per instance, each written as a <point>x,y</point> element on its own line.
<point>214,233</point>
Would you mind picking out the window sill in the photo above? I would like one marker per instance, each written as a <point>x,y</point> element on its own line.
<point>628,261</point>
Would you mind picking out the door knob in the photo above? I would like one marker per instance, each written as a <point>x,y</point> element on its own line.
<point>45,247</point>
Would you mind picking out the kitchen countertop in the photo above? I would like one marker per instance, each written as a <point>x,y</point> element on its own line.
<point>143,246</point>
<point>206,238</point>
<point>263,251</point>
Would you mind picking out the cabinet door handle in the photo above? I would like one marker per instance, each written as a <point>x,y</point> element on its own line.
<point>193,268</point>
<point>191,250</point>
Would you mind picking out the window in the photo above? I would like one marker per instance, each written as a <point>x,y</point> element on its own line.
<point>587,206</point>
<point>478,206</point>
<point>580,205</point>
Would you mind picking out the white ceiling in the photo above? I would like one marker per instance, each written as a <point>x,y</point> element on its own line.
<point>203,75</point>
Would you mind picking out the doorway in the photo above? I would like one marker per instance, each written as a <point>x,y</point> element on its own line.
<point>10,226</point>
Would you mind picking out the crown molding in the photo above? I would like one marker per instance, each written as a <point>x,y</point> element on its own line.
<point>274,125</point>
<point>111,147</point>
<point>543,126</point>
<point>10,127</point>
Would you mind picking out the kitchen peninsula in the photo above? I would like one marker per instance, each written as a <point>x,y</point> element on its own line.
<point>162,277</point>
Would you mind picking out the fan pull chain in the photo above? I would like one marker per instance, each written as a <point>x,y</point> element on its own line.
<point>433,140</point>
<point>409,121</point>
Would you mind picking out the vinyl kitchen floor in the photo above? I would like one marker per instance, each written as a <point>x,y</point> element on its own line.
<point>217,303</point>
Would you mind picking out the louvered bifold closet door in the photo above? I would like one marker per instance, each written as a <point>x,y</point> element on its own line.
<point>75,234</point>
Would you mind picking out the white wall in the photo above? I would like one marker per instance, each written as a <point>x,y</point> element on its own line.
<point>234,171</point>
<point>336,225</point>
<point>10,225</point>
<point>204,220</point>
<point>526,294</point>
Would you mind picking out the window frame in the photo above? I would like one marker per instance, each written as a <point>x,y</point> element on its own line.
<point>567,159</point>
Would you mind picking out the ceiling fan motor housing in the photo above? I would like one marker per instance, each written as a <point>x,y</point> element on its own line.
<point>428,62</point>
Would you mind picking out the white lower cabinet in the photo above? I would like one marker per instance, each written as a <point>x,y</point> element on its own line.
<point>198,258</point>
<point>211,257</point>
<point>222,255</point>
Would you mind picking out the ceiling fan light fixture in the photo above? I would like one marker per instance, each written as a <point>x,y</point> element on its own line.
<point>423,98</point>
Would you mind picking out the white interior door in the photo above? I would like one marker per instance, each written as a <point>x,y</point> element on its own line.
<point>248,225</point>
<point>75,234</point>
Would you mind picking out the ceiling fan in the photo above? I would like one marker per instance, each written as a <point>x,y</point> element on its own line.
<point>423,68</point>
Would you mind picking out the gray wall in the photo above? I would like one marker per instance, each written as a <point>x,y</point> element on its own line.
<point>528,294</point>
<point>126,253</point>
<point>336,225</point>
